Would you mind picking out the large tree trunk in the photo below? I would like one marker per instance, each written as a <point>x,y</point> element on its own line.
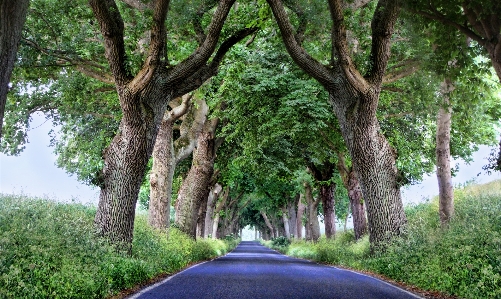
<point>285,219</point>
<point>293,216</point>
<point>195,188</point>
<point>323,175</point>
<point>125,162</point>
<point>222,203</point>
<point>268,224</point>
<point>443,154</point>
<point>202,210</point>
<point>161,177</point>
<point>357,206</point>
<point>299,219</point>
<point>211,205</point>
<point>373,159</point>
<point>327,195</point>
<point>167,154</point>
<point>312,206</point>
<point>350,181</point>
<point>12,18</point>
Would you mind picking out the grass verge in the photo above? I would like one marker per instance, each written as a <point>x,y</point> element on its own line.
<point>49,250</point>
<point>463,260</point>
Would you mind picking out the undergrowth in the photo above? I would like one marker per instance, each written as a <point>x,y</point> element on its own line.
<point>463,260</point>
<point>49,250</point>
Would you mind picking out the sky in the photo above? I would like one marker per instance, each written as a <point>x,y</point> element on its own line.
<point>34,173</point>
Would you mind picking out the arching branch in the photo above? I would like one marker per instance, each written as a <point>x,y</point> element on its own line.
<point>196,60</point>
<point>298,54</point>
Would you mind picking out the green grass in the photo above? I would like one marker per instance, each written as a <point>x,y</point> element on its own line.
<point>464,260</point>
<point>49,250</point>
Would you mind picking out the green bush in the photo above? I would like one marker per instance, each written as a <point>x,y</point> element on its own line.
<point>280,241</point>
<point>49,250</point>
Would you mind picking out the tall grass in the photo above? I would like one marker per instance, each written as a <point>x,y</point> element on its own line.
<point>49,250</point>
<point>463,260</point>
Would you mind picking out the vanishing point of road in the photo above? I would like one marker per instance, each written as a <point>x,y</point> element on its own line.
<point>253,271</point>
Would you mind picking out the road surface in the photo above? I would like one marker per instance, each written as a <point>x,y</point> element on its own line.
<point>254,271</point>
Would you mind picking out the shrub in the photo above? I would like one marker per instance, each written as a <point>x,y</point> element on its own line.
<point>49,250</point>
<point>463,260</point>
<point>280,241</point>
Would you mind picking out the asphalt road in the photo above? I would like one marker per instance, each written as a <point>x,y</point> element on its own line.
<point>254,271</point>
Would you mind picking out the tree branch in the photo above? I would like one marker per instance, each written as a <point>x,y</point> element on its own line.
<point>196,60</point>
<point>341,50</point>
<point>112,29</point>
<point>86,67</point>
<point>204,73</point>
<point>437,16</point>
<point>382,26</point>
<point>298,54</point>
<point>401,70</point>
<point>156,47</point>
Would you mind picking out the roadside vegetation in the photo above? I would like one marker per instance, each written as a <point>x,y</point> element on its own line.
<point>49,250</point>
<point>463,260</point>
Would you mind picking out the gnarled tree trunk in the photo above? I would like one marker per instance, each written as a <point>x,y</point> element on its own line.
<point>268,224</point>
<point>211,205</point>
<point>195,188</point>
<point>285,219</point>
<point>313,226</point>
<point>357,206</point>
<point>323,175</point>
<point>293,216</point>
<point>167,154</point>
<point>12,18</point>
<point>443,155</point>
<point>299,220</point>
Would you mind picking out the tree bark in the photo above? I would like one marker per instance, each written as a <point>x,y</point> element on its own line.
<point>300,212</point>
<point>195,188</point>
<point>268,223</point>
<point>327,196</point>
<point>312,206</point>
<point>443,155</point>
<point>293,216</point>
<point>167,154</point>
<point>285,219</point>
<point>211,205</point>
<point>12,18</point>
<point>217,216</point>
<point>354,98</point>
<point>162,171</point>
<point>357,206</point>
<point>323,175</point>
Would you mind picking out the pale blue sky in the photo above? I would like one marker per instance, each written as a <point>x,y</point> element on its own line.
<point>34,173</point>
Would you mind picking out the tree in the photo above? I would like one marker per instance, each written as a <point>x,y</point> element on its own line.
<point>168,152</point>
<point>143,100</point>
<point>195,188</point>
<point>354,98</point>
<point>479,20</point>
<point>12,18</point>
